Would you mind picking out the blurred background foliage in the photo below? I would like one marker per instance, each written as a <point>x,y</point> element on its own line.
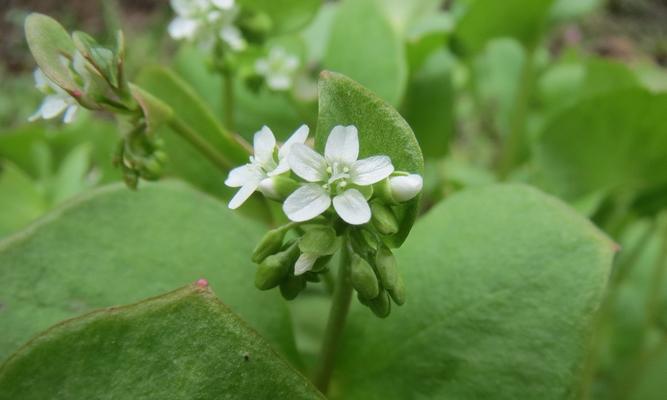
<point>565,95</point>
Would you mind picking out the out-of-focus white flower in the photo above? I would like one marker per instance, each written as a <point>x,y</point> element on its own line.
<point>331,176</point>
<point>57,101</point>
<point>405,187</point>
<point>204,20</point>
<point>277,68</point>
<point>263,164</point>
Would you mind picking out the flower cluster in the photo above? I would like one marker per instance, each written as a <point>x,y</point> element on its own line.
<point>277,69</point>
<point>334,201</point>
<point>206,21</point>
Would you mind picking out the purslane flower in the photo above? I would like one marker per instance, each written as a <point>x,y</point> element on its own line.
<point>263,164</point>
<point>277,68</point>
<point>332,178</point>
<point>405,187</point>
<point>57,100</point>
<point>204,20</point>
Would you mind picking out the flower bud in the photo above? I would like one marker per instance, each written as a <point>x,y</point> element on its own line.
<point>292,286</point>
<point>380,305</point>
<point>270,244</point>
<point>278,187</point>
<point>383,219</point>
<point>385,262</point>
<point>397,292</point>
<point>363,278</point>
<point>273,270</point>
<point>404,188</point>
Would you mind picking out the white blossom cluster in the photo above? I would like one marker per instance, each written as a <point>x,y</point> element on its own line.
<point>204,21</point>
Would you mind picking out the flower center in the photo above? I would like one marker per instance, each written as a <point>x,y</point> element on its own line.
<point>339,175</point>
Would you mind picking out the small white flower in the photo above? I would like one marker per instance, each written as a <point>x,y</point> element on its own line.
<point>263,163</point>
<point>330,177</point>
<point>57,100</point>
<point>404,188</point>
<point>203,20</point>
<point>304,263</point>
<point>277,68</point>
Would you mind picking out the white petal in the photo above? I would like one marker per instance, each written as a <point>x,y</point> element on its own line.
<point>304,263</point>
<point>239,176</point>
<point>242,195</point>
<point>268,189</point>
<point>52,106</point>
<point>182,28</point>
<point>223,4</point>
<point>404,188</point>
<point>279,82</point>
<point>352,207</point>
<point>41,82</point>
<point>299,136</point>
<point>307,202</point>
<point>70,113</point>
<point>232,36</point>
<point>264,143</point>
<point>307,163</point>
<point>371,170</point>
<point>342,144</point>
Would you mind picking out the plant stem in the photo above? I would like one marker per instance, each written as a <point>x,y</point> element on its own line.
<point>189,134</point>
<point>228,98</point>
<point>340,305</point>
<point>513,141</point>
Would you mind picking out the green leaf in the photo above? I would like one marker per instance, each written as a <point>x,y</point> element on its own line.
<point>403,14</point>
<point>523,20</point>
<point>183,344</point>
<point>21,200</point>
<point>155,111</point>
<point>568,10</point>
<point>502,285</point>
<point>429,104</point>
<point>382,130</point>
<point>117,246</point>
<point>614,141</point>
<point>286,15</point>
<point>71,176</point>
<point>48,42</point>
<point>381,47</point>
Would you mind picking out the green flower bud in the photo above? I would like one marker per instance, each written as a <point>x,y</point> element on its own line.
<point>151,169</point>
<point>278,187</point>
<point>363,278</point>
<point>385,262</point>
<point>383,219</point>
<point>270,244</point>
<point>397,292</point>
<point>292,286</point>
<point>273,270</point>
<point>380,305</point>
<point>319,240</point>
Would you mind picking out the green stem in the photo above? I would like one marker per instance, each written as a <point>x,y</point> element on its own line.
<point>228,98</point>
<point>513,142</point>
<point>189,134</point>
<point>340,305</point>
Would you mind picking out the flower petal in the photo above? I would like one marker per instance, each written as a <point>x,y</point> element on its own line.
<point>404,188</point>
<point>307,163</point>
<point>304,263</point>
<point>52,106</point>
<point>264,143</point>
<point>371,170</point>
<point>70,113</point>
<point>242,195</point>
<point>307,202</point>
<point>233,37</point>
<point>299,136</point>
<point>352,207</point>
<point>342,144</point>
<point>182,28</point>
<point>239,176</point>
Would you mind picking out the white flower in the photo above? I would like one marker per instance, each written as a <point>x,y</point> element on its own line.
<point>57,100</point>
<point>278,68</point>
<point>203,20</point>
<point>404,188</point>
<point>331,176</point>
<point>263,163</point>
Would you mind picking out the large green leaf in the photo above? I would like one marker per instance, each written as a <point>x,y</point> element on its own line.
<point>382,130</point>
<point>182,345</point>
<point>117,246</point>
<point>20,202</point>
<point>365,46</point>
<point>502,287</point>
<point>286,15</point>
<point>523,20</point>
<point>614,141</point>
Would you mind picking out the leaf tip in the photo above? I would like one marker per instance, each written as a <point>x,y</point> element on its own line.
<point>202,283</point>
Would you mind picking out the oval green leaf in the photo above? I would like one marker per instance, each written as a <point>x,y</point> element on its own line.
<point>286,15</point>
<point>117,246</point>
<point>382,130</point>
<point>184,344</point>
<point>502,287</point>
